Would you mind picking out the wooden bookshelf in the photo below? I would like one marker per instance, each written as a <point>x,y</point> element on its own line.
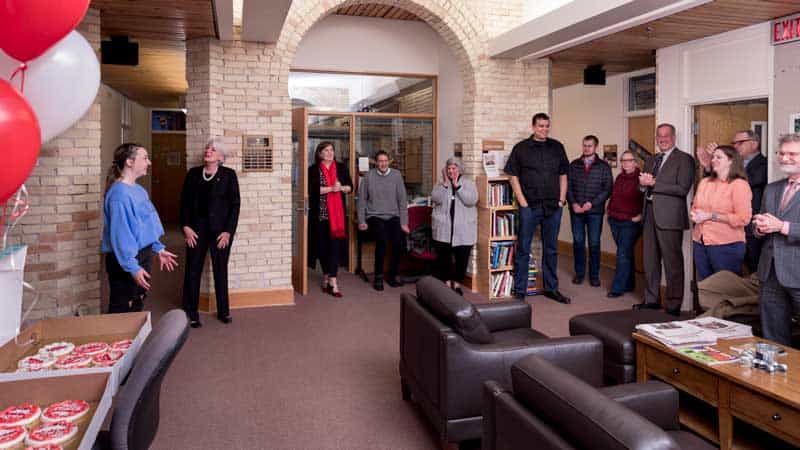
<point>502,203</point>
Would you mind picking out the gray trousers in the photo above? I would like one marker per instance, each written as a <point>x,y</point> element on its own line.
<point>662,245</point>
<point>777,307</point>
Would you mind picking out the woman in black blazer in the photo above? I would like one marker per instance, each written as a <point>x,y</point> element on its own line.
<point>209,214</point>
<point>327,217</point>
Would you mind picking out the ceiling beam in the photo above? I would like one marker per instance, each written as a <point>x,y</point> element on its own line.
<point>262,21</point>
<point>581,21</point>
<point>223,19</point>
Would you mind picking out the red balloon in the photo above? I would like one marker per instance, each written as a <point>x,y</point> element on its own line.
<point>20,139</point>
<point>29,27</point>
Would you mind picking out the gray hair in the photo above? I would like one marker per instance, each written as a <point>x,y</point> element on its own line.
<point>752,135</point>
<point>788,139</point>
<point>454,161</point>
<point>217,144</point>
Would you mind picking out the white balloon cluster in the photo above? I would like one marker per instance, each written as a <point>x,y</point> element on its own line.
<point>60,85</point>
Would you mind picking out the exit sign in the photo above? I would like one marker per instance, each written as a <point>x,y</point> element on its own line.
<point>786,29</point>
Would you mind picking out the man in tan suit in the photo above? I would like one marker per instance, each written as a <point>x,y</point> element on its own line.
<point>666,181</point>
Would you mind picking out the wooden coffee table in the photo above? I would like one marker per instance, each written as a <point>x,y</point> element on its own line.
<point>770,402</point>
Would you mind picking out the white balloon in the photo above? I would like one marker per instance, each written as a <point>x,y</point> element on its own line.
<point>60,85</point>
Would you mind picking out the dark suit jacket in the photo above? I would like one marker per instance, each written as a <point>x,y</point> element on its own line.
<point>225,201</point>
<point>781,251</point>
<point>343,175</point>
<point>757,177</point>
<point>673,183</point>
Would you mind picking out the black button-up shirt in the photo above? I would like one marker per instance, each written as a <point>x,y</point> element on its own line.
<point>538,165</point>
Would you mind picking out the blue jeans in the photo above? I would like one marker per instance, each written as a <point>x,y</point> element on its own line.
<point>710,259</point>
<point>529,219</point>
<point>583,224</point>
<point>626,233</point>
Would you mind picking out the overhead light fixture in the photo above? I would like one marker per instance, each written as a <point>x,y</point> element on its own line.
<point>594,75</point>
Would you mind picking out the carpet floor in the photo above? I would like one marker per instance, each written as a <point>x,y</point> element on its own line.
<point>322,374</point>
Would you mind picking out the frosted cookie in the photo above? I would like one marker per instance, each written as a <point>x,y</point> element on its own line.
<point>12,437</point>
<point>46,447</point>
<point>91,349</point>
<point>36,363</point>
<point>57,349</point>
<point>73,361</point>
<point>69,410</point>
<point>107,359</point>
<point>55,433</point>
<point>26,415</point>
<point>122,346</point>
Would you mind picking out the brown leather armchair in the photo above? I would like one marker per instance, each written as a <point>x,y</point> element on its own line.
<point>449,347</point>
<point>558,411</point>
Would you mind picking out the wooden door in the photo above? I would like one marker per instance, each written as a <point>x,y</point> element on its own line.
<point>719,123</point>
<point>300,200</point>
<point>642,130</point>
<point>168,154</point>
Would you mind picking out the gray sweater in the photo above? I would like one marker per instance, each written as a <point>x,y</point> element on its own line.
<point>382,196</point>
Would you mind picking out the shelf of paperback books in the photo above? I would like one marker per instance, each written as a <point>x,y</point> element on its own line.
<point>498,223</point>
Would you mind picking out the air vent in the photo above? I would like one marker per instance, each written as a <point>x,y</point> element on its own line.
<point>256,153</point>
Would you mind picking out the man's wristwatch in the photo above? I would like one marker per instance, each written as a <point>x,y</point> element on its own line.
<point>562,203</point>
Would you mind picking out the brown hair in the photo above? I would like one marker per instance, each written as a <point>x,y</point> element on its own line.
<point>539,116</point>
<point>737,166</point>
<point>322,146</point>
<point>123,153</point>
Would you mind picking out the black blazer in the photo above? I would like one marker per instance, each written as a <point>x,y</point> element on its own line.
<point>343,175</point>
<point>757,178</point>
<point>225,201</point>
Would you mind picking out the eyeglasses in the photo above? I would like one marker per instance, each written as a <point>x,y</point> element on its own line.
<point>740,142</point>
<point>628,160</point>
<point>793,155</point>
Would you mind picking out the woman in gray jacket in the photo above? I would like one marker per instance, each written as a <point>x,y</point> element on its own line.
<point>454,223</point>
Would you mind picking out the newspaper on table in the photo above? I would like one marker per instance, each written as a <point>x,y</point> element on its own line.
<point>701,331</point>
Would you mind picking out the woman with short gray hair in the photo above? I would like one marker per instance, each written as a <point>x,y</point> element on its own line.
<point>454,223</point>
<point>209,216</point>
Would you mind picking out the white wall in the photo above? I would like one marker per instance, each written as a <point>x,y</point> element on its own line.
<point>111,103</point>
<point>786,92</point>
<point>579,110</point>
<point>360,44</point>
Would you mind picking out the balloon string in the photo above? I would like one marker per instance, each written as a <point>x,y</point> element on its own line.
<point>21,70</point>
<point>20,208</point>
<point>3,223</point>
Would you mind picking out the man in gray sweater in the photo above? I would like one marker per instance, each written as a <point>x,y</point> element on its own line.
<point>383,208</point>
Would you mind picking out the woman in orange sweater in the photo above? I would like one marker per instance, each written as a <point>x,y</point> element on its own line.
<point>720,211</point>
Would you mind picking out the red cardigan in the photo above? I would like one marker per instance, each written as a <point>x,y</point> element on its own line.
<point>626,198</point>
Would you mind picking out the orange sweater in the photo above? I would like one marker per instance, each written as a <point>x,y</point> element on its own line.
<point>732,199</point>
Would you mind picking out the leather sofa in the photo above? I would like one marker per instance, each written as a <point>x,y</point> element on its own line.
<point>553,408</point>
<point>450,347</point>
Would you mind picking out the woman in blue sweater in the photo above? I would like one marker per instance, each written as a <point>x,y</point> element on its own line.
<point>131,229</point>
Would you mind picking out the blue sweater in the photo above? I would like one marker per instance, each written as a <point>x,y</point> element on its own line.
<point>130,223</point>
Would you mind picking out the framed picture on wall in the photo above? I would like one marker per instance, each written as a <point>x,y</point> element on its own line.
<point>610,155</point>
<point>794,123</point>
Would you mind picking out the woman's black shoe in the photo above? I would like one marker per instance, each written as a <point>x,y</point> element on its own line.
<point>393,282</point>
<point>226,319</point>
<point>613,295</point>
<point>195,324</point>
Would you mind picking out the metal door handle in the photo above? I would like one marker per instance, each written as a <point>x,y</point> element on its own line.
<point>676,371</point>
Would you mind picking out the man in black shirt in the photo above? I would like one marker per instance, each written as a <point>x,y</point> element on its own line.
<point>538,167</point>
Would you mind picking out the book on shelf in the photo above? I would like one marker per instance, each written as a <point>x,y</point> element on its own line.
<point>501,284</point>
<point>500,194</point>
<point>504,224</point>
<point>695,332</point>
<point>707,355</point>
<point>502,254</point>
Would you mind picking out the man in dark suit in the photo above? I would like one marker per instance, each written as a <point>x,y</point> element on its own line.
<point>747,143</point>
<point>779,224</point>
<point>666,181</point>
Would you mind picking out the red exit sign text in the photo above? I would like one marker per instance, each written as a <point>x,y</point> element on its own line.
<point>786,29</point>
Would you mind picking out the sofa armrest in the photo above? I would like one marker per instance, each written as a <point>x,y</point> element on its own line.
<point>491,390</point>
<point>507,315</point>
<point>466,367</point>
<point>653,400</point>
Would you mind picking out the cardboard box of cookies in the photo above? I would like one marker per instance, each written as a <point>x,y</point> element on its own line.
<point>86,344</point>
<point>68,409</point>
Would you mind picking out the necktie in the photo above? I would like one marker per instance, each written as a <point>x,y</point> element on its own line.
<point>788,194</point>
<point>656,168</point>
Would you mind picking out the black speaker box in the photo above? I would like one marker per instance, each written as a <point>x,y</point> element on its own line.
<point>594,75</point>
<point>119,51</point>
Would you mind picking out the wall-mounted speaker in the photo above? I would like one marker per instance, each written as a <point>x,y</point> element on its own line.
<point>119,51</point>
<point>594,75</point>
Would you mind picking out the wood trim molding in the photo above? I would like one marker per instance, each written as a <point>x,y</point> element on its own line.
<point>240,299</point>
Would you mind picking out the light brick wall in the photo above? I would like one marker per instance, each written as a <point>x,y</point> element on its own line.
<point>62,228</point>
<point>240,88</point>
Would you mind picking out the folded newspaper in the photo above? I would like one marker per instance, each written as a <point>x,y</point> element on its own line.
<point>702,331</point>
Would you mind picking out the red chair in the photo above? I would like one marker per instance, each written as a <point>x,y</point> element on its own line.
<point>419,243</point>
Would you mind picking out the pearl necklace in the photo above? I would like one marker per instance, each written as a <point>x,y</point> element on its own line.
<point>211,177</point>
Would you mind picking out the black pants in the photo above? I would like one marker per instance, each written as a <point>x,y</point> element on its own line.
<point>195,260</point>
<point>752,249</point>
<point>446,268</point>
<point>665,246</point>
<point>125,295</point>
<point>330,250</point>
<point>386,231</point>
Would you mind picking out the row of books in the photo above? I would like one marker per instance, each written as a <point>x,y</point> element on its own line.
<point>504,224</point>
<point>500,194</point>
<point>533,275</point>
<point>502,254</point>
<point>501,284</point>
<point>696,332</point>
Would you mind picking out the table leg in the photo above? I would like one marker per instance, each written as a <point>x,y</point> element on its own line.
<point>724,414</point>
<point>641,363</point>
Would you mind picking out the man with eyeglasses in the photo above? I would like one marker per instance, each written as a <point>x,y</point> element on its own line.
<point>779,224</point>
<point>747,143</point>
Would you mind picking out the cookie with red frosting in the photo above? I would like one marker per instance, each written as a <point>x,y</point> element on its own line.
<point>69,410</point>
<point>57,349</point>
<point>91,349</point>
<point>121,346</point>
<point>24,415</point>
<point>12,437</point>
<point>45,447</point>
<point>36,362</point>
<point>56,433</point>
<point>73,361</point>
<point>107,359</point>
